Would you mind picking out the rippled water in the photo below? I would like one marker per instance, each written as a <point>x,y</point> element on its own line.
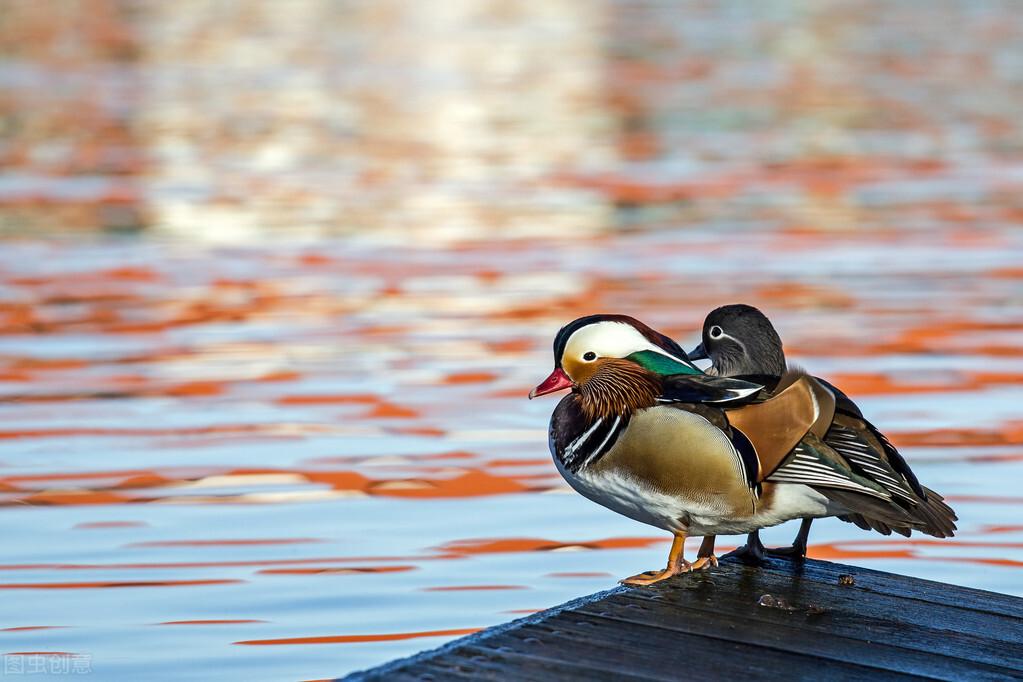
<point>290,462</point>
<point>296,457</point>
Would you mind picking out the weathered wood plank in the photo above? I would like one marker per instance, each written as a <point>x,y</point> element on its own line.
<point>714,625</point>
<point>827,638</point>
<point>905,586</point>
<point>484,663</point>
<point>629,647</point>
<point>952,614</point>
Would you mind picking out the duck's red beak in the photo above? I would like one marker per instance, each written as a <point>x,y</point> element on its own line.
<point>555,382</point>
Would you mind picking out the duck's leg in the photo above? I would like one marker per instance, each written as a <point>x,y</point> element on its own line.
<point>797,552</point>
<point>676,565</point>
<point>705,557</point>
<point>752,553</point>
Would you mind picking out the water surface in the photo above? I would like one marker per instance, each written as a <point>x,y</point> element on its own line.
<point>285,461</point>
<point>293,441</point>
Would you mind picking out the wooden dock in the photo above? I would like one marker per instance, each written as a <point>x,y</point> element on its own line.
<point>822,621</point>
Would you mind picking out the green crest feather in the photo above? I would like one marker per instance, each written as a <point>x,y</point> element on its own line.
<point>662,364</point>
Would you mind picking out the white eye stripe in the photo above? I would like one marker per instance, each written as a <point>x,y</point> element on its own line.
<point>611,340</point>
<point>723,335</point>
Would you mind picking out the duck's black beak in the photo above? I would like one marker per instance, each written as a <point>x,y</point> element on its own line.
<point>698,353</point>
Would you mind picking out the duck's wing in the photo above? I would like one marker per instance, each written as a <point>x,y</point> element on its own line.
<point>770,382</point>
<point>866,447</point>
<point>871,454</point>
<point>853,464</point>
<point>870,505</point>
<point>775,425</point>
<point>703,388</point>
<point>811,462</point>
<point>786,433</point>
<point>867,455</point>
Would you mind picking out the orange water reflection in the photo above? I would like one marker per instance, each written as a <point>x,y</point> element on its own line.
<point>474,588</point>
<point>353,639</point>
<point>420,479</point>
<point>336,570</point>
<point>328,441</point>
<point>112,584</point>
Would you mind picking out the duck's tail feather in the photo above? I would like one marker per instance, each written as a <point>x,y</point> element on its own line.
<point>873,524</point>
<point>877,514</point>
<point>939,518</point>
<point>931,516</point>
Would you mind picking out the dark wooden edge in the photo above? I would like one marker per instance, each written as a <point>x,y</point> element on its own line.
<point>814,569</point>
<point>486,633</point>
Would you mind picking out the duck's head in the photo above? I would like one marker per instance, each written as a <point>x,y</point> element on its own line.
<point>595,345</point>
<point>740,340</point>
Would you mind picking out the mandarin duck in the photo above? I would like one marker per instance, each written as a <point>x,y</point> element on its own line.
<point>741,342</point>
<point>645,433</point>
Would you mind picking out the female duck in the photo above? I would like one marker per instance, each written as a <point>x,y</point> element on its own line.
<point>741,342</point>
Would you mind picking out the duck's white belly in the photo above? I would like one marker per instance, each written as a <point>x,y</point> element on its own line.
<point>631,498</point>
<point>793,501</point>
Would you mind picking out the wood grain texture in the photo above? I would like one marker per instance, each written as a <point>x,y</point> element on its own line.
<point>714,625</point>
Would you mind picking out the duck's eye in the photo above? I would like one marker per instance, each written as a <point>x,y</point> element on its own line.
<point>715,332</point>
<point>589,356</point>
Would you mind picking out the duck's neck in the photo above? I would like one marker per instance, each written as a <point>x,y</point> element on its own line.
<point>618,387</point>
<point>768,362</point>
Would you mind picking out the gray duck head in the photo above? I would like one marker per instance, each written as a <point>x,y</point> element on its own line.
<point>739,339</point>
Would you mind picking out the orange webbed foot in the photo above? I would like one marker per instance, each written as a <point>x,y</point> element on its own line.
<point>651,577</point>
<point>704,562</point>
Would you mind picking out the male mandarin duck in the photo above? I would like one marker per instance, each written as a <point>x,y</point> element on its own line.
<point>740,341</point>
<point>645,433</point>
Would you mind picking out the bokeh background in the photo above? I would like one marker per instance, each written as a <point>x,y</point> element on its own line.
<point>275,278</point>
